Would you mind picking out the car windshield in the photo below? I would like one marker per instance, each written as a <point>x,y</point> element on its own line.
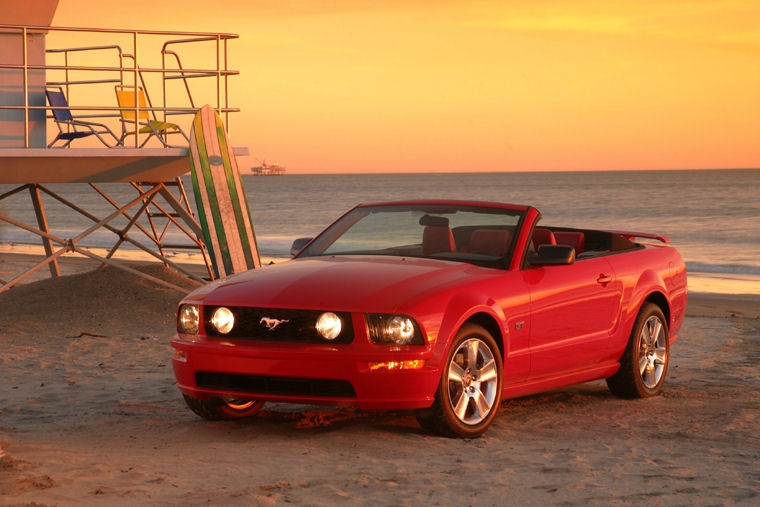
<point>479,235</point>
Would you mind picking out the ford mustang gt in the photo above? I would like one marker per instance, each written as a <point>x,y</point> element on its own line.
<point>444,307</point>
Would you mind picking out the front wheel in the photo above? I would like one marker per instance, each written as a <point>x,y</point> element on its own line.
<point>645,361</point>
<point>469,391</point>
<point>217,409</point>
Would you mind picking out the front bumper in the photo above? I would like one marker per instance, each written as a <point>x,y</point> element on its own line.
<point>301,373</point>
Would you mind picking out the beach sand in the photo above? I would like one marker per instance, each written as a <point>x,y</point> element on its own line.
<point>89,414</point>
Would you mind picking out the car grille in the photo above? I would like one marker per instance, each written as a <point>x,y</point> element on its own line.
<point>285,386</point>
<point>295,325</point>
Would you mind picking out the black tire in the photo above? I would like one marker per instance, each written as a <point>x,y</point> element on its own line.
<point>455,411</point>
<point>644,363</point>
<point>216,409</point>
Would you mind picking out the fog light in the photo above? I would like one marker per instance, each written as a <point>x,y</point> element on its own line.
<point>223,320</point>
<point>398,365</point>
<point>329,326</point>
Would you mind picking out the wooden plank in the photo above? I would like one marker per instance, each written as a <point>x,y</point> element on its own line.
<point>220,198</point>
<point>96,165</point>
<point>39,212</point>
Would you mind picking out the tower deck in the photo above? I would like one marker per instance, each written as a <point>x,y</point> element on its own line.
<point>167,75</point>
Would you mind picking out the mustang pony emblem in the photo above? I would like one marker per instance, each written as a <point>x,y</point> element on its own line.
<point>272,324</point>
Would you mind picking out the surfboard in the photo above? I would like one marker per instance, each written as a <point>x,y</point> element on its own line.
<point>223,211</point>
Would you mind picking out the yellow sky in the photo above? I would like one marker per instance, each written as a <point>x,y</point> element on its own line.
<point>413,85</point>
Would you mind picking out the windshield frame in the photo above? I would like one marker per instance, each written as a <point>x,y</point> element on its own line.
<point>318,246</point>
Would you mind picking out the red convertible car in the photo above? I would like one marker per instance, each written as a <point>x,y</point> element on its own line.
<point>444,307</point>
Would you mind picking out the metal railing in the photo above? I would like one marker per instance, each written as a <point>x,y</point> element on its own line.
<point>220,72</point>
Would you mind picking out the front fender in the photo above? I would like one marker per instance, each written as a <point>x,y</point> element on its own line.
<point>461,308</point>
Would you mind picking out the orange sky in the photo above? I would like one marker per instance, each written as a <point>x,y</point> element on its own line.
<point>415,85</point>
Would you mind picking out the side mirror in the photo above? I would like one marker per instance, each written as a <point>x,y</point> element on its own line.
<point>553,255</point>
<point>298,245</point>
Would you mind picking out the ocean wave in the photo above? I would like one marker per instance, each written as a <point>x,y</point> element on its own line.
<point>275,245</point>
<point>734,269</point>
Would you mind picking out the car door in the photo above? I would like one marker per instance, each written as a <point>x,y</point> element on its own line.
<point>573,310</point>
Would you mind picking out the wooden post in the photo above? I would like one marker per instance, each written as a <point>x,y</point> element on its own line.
<point>39,211</point>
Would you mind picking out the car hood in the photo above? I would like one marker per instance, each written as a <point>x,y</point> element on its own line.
<point>340,283</point>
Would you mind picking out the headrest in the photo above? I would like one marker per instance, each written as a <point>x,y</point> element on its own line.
<point>437,239</point>
<point>574,239</point>
<point>543,237</point>
<point>431,220</point>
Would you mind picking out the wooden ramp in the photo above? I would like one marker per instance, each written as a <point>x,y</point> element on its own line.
<point>222,207</point>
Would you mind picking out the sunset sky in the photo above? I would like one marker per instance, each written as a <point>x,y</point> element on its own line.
<point>415,85</point>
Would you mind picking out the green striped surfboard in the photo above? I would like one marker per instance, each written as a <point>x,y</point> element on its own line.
<point>222,207</point>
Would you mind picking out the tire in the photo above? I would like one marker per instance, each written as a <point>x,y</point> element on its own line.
<point>216,409</point>
<point>644,363</point>
<point>469,391</point>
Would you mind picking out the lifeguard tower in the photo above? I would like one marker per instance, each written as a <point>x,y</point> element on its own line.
<point>94,108</point>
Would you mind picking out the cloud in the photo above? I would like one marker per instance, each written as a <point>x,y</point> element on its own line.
<point>726,24</point>
<point>311,8</point>
<point>574,23</point>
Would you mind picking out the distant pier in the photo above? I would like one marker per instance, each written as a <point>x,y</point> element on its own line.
<point>268,170</point>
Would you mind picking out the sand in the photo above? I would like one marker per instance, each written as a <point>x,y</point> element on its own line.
<point>89,414</point>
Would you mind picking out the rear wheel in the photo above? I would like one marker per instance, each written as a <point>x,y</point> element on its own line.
<point>216,409</point>
<point>645,361</point>
<point>469,391</point>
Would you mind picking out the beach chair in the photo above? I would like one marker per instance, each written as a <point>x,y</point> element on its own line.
<point>125,96</point>
<point>63,117</point>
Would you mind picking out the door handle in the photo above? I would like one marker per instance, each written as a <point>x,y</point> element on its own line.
<point>604,279</point>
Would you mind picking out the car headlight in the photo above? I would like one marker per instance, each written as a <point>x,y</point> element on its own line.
<point>329,326</point>
<point>188,319</point>
<point>223,320</point>
<point>396,329</point>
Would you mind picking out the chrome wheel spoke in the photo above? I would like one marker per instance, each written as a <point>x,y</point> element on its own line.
<point>472,354</point>
<point>646,336</point>
<point>643,362</point>
<point>456,373</point>
<point>655,334</point>
<point>481,405</point>
<point>488,372</point>
<point>660,355</point>
<point>461,407</point>
<point>649,377</point>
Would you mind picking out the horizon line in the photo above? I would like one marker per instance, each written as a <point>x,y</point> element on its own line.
<point>514,172</point>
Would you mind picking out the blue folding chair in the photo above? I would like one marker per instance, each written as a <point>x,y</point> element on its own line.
<point>63,116</point>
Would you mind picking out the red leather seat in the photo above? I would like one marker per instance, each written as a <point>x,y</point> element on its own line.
<point>491,241</point>
<point>576,240</point>
<point>543,237</point>
<point>436,239</point>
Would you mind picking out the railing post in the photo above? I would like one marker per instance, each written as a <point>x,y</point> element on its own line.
<point>26,90</point>
<point>137,95</point>
<point>226,91</point>
<point>66,73</point>
<point>163,82</point>
<point>66,78</point>
<point>218,76</point>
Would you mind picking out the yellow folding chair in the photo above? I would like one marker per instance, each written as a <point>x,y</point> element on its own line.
<point>125,96</point>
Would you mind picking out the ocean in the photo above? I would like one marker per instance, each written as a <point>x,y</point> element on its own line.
<point>712,217</point>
